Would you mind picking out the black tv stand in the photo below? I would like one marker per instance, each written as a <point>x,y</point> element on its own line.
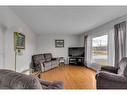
<point>76,61</point>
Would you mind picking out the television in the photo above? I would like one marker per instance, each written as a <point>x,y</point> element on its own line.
<point>76,51</point>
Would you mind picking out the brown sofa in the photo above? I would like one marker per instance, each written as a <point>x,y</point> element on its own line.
<point>44,62</point>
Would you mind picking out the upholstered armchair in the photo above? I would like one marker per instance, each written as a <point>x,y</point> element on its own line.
<point>111,77</point>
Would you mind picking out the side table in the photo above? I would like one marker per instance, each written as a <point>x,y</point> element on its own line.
<point>61,60</point>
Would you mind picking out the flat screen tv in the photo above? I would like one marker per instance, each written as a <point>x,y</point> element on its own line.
<point>76,51</point>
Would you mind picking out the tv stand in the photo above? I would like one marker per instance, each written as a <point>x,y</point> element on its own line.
<point>76,61</point>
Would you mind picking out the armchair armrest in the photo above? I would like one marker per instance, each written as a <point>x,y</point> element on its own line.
<point>109,69</point>
<point>111,77</point>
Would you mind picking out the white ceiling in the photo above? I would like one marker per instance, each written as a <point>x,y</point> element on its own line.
<point>66,19</point>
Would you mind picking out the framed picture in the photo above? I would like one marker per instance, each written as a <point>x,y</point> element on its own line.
<point>19,40</point>
<point>59,43</point>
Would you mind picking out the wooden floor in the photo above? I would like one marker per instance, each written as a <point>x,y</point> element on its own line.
<point>74,77</point>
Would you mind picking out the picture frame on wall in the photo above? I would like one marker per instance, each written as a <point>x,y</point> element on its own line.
<point>19,40</point>
<point>59,43</point>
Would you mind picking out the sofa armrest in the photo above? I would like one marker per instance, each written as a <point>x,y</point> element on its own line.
<point>39,67</point>
<point>111,77</point>
<point>109,69</point>
<point>51,84</point>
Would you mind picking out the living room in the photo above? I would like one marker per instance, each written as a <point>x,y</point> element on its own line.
<point>51,35</point>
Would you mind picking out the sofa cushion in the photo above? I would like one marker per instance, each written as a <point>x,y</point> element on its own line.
<point>48,56</point>
<point>13,80</point>
<point>122,66</point>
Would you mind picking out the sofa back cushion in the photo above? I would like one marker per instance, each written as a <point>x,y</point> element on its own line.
<point>13,80</point>
<point>48,56</point>
<point>37,59</point>
<point>122,66</point>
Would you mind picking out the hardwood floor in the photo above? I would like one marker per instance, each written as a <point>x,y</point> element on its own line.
<point>74,77</point>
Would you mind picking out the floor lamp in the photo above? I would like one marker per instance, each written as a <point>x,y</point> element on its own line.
<point>17,51</point>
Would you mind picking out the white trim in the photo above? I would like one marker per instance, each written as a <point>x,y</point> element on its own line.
<point>1,48</point>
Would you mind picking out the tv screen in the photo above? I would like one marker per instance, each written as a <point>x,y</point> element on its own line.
<point>76,52</point>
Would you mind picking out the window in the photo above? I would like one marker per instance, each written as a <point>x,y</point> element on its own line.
<point>99,50</point>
